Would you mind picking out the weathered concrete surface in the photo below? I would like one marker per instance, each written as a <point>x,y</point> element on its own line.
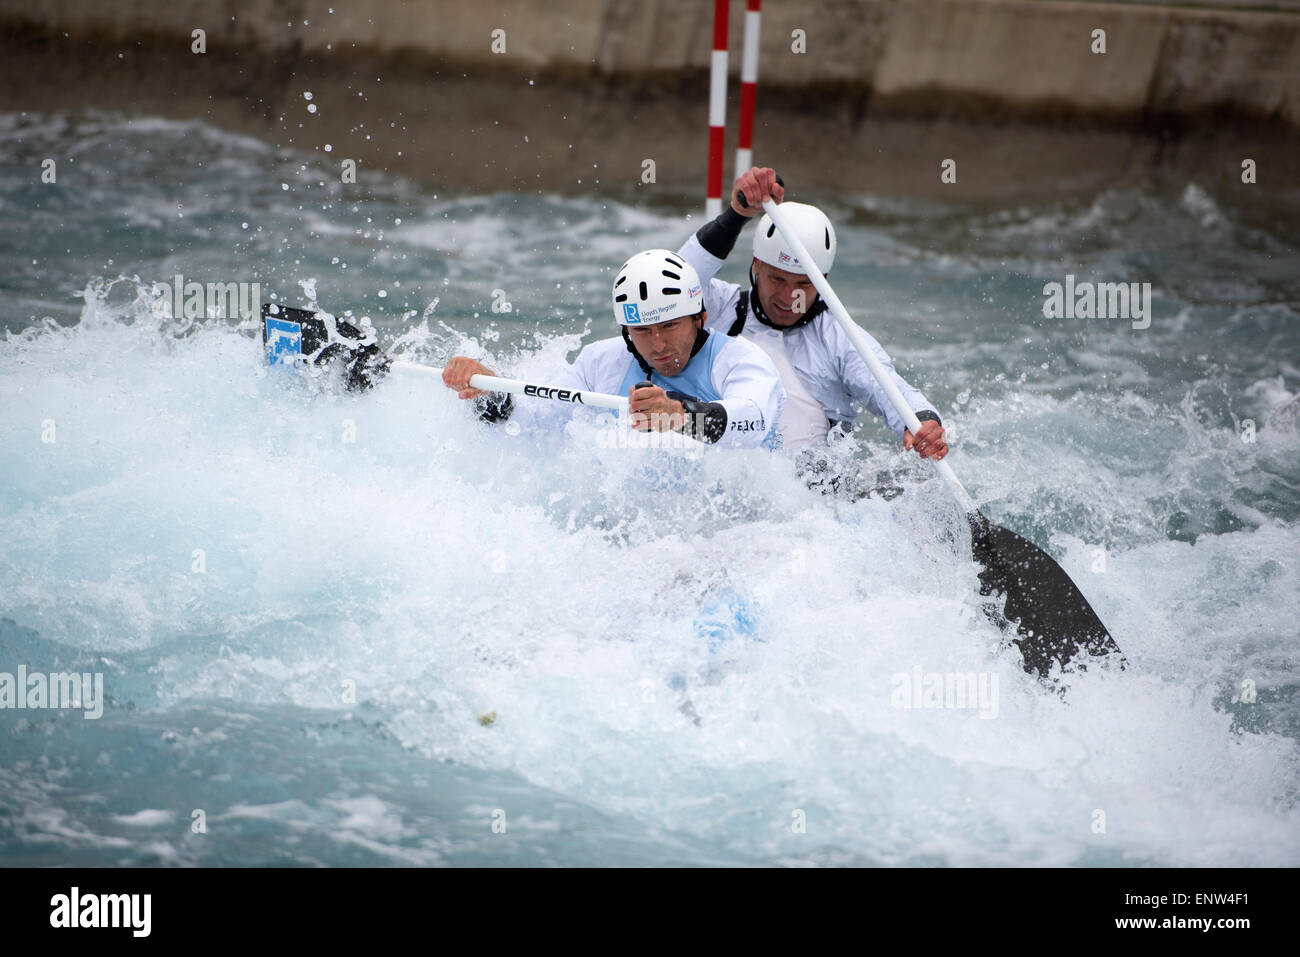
<point>886,91</point>
<point>1024,53</point>
<point>1038,57</point>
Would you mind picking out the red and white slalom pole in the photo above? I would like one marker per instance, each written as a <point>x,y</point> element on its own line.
<point>717,107</point>
<point>748,87</point>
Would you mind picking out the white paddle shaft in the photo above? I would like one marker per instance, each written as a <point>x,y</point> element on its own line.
<point>860,342</point>
<point>491,383</point>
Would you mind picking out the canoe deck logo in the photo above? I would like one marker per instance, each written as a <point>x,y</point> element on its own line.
<point>283,340</point>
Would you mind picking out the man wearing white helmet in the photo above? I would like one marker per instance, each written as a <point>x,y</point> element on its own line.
<point>781,312</point>
<point>709,386</point>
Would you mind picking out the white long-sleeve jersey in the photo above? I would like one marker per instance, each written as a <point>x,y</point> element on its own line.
<point>732,372</point>
<point>828,366</point>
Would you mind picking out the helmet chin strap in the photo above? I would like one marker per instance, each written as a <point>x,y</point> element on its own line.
<point>756,307</point>
<point>640,360</point>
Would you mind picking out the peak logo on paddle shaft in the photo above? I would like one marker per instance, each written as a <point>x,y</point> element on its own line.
<point>1103,300</point>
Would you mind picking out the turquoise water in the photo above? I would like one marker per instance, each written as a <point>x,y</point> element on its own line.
<point>307,604</point>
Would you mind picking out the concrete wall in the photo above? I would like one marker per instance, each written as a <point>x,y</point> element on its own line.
<point>894,82</point>
<point>1021,53</point>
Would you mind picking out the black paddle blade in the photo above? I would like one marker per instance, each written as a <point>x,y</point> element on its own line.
<point>296,335</point>
<point>1054,620</point>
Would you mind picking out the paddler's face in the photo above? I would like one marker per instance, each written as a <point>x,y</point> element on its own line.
<point>667,345</point>
<point>784,296</point>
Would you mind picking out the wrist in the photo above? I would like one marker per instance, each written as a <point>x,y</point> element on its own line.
<point>706,421</point>
<point>925,415</point>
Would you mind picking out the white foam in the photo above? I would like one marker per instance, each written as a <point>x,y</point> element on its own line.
<point>443,569</point>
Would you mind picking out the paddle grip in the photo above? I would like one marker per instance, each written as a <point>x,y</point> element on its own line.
<point>779,182</point>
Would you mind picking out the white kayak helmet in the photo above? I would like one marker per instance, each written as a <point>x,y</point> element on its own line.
<point>813,229</point>
<point>655,286</point>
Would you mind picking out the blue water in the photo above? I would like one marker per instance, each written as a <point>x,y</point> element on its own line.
<point>369,630</point>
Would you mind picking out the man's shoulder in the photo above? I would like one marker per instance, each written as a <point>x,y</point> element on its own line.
<point>603,347</point>
<point>826,330</point>
<point>720,299</point>
<point>601,364</point>
<point>737,346</point>
<point>735,349</point>
<point>826,326</point>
